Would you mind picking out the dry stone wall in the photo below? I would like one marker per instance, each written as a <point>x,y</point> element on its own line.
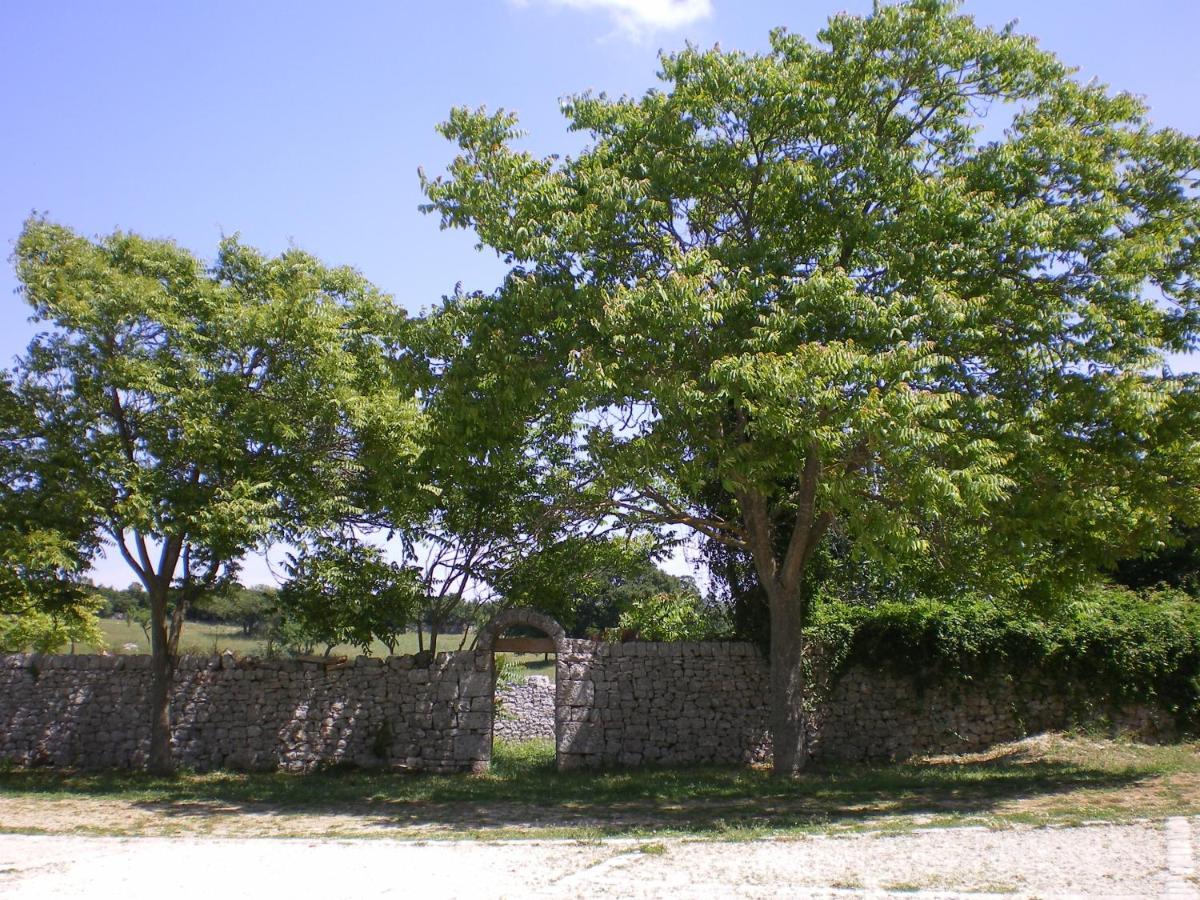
<point>525,710</point>
<point>870,715</point>
<point>611,705</point>
<point>408,712</point>
<point>634,703</point>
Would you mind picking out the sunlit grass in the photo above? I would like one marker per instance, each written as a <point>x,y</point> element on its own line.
<point>1045,781</point>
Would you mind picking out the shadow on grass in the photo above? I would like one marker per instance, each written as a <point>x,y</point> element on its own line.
<point>523,791</point>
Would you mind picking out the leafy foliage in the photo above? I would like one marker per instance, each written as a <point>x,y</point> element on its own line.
<point>44,540</point>
<point>677,616</point>
<point>209,411</point>
<point>49,632</point>
<point>508,670</point>
<point>1134,646</point>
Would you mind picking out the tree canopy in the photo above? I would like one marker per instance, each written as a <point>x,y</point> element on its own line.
<point>807,293</point>
<point>44,542</point>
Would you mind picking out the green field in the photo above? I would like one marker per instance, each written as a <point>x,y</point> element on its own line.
<point>205,639</point>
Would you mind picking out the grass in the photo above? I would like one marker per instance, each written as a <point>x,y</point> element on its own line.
<point>1057,781</point>
<point>203,638</point>
<point>209,639</point>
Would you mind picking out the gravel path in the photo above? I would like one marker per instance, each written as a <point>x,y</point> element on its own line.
<point>1144,860</point>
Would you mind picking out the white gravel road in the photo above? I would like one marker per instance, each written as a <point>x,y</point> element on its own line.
<point>1142,860</point>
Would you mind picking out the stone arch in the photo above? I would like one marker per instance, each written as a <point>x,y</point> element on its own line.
<point>505,620</point>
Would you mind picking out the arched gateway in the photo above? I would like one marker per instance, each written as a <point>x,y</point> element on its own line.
<point>491,639</point>
<point>639,703</point>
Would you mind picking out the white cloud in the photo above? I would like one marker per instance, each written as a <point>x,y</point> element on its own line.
<point>638,17</point>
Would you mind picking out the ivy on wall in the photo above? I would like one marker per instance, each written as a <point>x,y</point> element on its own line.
<point>1124,645</point>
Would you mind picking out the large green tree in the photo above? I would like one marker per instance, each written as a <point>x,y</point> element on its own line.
<point>812,282</point>
<point>206,411</point>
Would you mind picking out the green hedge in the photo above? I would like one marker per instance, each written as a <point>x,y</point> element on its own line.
<point>1123,645</point>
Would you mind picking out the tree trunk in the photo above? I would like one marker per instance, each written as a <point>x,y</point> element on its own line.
<point>162,668</point>
<point>783,581</point>
<point>787,718</point>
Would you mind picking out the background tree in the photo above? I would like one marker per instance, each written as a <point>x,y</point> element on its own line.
<point>578,580</point>
<point>249,608</point>
<point>205,412</point>
<point>343,591</point>
<point>808,277</point>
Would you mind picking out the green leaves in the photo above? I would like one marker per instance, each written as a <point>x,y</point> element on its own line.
<point>1121,645</point>
<point>677,616</point>
<point>810,255</point>
<point>46,538</point>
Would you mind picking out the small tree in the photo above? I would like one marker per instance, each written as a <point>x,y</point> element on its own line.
<point>204,412</point>
<point>247,607</point>
<point>342,591</point>
<point>805,281</point>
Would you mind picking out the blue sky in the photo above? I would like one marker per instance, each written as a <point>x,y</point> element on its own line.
<point>304,122</point>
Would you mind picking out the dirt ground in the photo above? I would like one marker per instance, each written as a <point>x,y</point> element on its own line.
<point>1123,822</point>
<point>1149,859</point>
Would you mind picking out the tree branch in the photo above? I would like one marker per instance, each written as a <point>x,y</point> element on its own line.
<point>716,529</point>
<point>760,539</point>
<point>118,537</point>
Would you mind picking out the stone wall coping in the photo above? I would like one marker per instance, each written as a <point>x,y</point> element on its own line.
<point>190,662</point>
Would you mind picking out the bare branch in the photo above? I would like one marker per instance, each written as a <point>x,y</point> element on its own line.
<point>118,537</point>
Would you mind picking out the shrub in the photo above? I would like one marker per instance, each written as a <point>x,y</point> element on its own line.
<point>508,670</point>
<point>669,616</point>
